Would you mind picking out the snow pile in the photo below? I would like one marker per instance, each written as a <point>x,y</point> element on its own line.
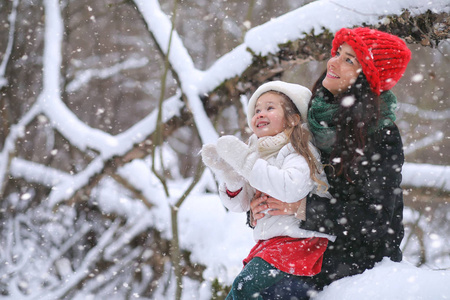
<point>391,281</point>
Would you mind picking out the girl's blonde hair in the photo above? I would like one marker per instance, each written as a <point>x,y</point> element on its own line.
<point>299,137</point>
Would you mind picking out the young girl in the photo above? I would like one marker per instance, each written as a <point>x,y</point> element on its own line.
<point>278,161</point>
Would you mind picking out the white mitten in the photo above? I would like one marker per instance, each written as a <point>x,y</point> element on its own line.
<point>238,154</point>
<point>223,171</point>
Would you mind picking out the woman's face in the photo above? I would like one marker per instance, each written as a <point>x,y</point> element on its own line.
<point>342,70</point>
<point>269,117</point>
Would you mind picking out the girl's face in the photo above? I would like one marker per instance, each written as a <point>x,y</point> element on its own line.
<point>269,119</point>
<point>342,70</point>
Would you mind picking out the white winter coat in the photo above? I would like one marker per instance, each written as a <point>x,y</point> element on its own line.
<point>284,176</point>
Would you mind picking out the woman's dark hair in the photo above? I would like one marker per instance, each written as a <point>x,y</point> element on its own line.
<point>359,111</point>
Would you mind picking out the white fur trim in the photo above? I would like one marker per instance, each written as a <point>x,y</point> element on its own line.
<point>299,94</point>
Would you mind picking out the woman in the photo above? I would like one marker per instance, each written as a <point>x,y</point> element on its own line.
<point>351,117</point>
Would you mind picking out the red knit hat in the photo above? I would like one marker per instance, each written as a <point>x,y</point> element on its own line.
<point>383,56</point>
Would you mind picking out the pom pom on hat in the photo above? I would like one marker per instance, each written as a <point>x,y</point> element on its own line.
<point>383,56</point>
<point>298,94</point>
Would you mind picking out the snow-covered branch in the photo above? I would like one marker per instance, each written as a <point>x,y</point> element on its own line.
<point>427,141</point>
<point>16,131</point>
<point>84,77</point>
<point>425,114</point>
<point>427,176</point>
<point>9,45</point>
<point>181,62</point>
<point>58,290</point>
<point>315,17</point>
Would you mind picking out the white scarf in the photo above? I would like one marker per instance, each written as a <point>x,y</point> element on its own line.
<point>269,146</point>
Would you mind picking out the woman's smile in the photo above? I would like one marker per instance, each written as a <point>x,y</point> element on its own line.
<point>331,74</point>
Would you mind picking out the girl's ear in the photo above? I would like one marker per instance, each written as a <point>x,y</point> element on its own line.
<point>294,120</point>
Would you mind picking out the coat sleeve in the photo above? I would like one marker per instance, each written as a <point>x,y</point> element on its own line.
<point>288,182</point>
<point>367,208</point>
<point>240,202</point>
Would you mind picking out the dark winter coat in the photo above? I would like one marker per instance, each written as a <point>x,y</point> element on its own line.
<point>366,216</point>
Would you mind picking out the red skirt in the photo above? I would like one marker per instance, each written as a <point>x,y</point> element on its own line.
<point>301,257</point>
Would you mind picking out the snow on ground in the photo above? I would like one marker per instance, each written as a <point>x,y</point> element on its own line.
<point>391,281</point>
<point>221,239</point>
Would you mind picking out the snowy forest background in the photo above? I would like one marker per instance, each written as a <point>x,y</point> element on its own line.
<point>102,191</point>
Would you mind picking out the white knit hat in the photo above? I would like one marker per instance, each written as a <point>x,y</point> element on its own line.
<point>298,94</point>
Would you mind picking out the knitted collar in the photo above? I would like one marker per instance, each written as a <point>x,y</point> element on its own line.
<point>269,146</point>
<point>321,115</point>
